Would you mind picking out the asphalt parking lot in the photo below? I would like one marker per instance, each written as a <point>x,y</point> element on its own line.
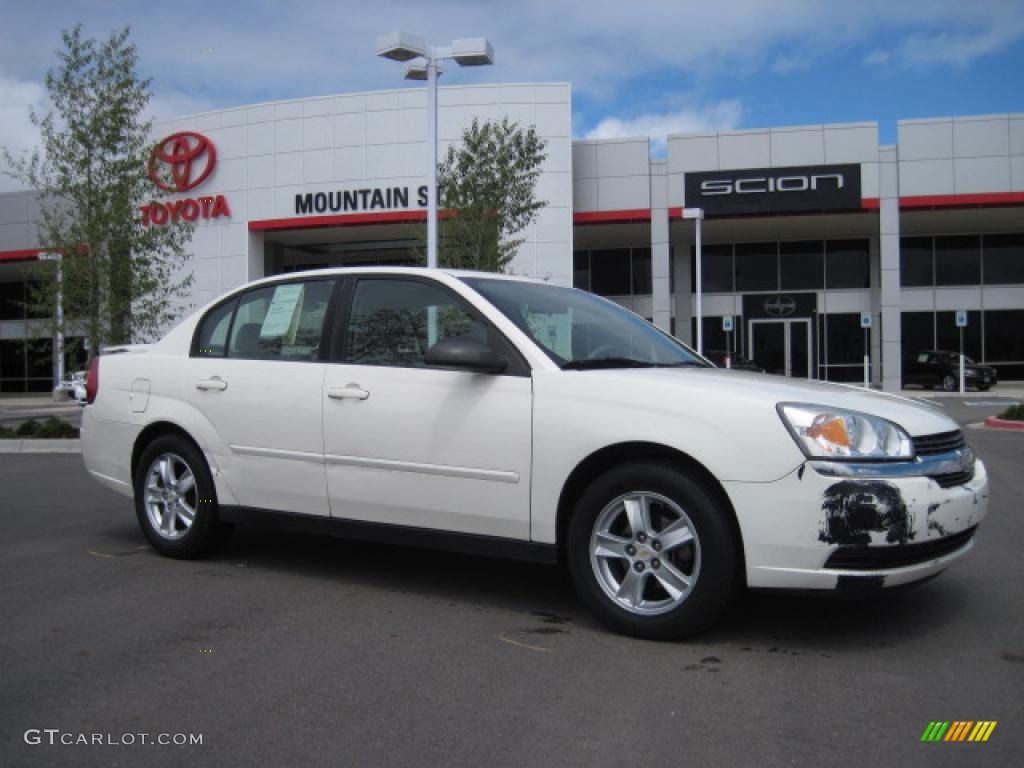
<point>293,650</point>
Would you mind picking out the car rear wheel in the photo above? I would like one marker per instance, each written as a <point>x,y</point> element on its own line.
<point>949,382</point>
<point>175,499</point>
<point>652,553</point>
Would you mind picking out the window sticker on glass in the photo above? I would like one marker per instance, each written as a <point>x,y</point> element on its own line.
<point>282,312</point>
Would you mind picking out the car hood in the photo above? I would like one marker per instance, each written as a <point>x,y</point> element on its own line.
<point>715,387</point>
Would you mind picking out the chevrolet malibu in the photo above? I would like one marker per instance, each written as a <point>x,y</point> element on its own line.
<point>506,416</point>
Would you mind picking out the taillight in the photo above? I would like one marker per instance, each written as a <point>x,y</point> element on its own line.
<point>92,380</point>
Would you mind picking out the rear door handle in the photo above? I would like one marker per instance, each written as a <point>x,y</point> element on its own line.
<point>348,392</point>
<point>214,382</point>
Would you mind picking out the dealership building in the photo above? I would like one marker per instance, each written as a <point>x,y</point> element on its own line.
<point>819,245</point>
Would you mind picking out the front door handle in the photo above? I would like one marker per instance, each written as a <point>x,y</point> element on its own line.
<point>215,383</point>
<point>348,392</point>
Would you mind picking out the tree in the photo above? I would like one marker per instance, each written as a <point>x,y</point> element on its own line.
<point>122,281</point>
<point>489,184</point>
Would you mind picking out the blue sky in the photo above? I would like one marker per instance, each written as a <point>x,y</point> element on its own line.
<point>637,68</point>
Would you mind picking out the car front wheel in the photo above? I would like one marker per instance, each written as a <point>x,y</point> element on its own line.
<point>652,553</point>
<point>949,382</point>
<point>175,499</point>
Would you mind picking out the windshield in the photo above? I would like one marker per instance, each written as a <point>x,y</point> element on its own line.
<point>579,330</point>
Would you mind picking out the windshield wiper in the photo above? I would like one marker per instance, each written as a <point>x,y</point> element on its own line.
<point>619,362</point>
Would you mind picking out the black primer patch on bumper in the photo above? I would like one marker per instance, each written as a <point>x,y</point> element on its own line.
<point>855,508</point>
<point>850,584</point>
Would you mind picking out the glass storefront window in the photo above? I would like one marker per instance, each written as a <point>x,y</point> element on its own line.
<point>716,268</point>
<point>610,272</point>
<point>917,267</point>
<point>958,260</point>
<point>846,264</point>
<point>641,265</point>
<point>917,330</point>
<point>947,335</point>
<point>1003,257</point>
<point>803,265</point>
<point>581,270</point>
<point>1003,337</point>
<point>757,267</point>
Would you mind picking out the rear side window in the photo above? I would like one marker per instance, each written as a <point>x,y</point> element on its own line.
<point>281,322</point>
<point>212,340</point>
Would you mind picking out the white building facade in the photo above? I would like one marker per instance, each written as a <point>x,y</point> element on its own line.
<point>810,233</point>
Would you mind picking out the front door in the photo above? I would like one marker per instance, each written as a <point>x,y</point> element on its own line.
<point>783,347</point>
<point>406,444</point>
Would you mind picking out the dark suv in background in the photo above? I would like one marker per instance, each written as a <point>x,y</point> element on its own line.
<point>941,368</point>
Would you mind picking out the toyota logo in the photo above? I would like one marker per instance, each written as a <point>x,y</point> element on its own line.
<point>182,161</point>
<point>780,306</point>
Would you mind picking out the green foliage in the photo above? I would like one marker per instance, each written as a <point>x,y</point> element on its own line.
<point>50,427</point>
<point>489,183</point>
<point>1013,413</point>
<point>122,282</point>
<point>6,433</point>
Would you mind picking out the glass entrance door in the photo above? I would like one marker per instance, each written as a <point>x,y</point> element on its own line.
<point>783,347</point>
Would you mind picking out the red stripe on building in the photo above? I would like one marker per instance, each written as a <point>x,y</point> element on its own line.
<point>26,255</point>
<point>962,201</point>
<point>611,217</point>
<point>346,220</point>
<point>870,203</point>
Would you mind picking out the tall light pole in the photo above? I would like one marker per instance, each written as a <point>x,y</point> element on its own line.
<point>425,64</point>
<point>58,341</point>
<point>697,214</point>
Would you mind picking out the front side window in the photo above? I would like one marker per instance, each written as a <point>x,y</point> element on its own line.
<point>579,330</point>
<point>394,322</point>
<point>283,321</point>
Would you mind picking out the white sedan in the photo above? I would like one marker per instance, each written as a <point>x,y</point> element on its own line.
<point>501,415</point>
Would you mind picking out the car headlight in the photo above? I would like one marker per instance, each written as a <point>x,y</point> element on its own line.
<point>836,433</point>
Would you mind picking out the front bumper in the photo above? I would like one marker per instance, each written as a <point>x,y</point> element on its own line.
<point>812,531</point>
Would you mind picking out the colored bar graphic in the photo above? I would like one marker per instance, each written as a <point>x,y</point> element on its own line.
<point>982,730</point>
<point>935,730</point>
<point>958,730</point>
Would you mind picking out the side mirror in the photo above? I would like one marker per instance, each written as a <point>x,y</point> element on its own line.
<point>467,355</point>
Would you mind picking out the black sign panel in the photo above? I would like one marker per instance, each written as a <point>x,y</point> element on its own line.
<point>798,189</point>
<point>779,305</point>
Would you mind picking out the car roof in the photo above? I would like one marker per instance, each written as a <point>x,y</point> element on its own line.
<point>372,270</point>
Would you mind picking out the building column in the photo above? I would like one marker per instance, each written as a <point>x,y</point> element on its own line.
<point>889,252</point>
<point>661,285</point>
<point>684,287</point>
<point>875,307</point>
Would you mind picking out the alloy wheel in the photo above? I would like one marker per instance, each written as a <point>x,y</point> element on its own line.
<point>171,496</point>
<point>645,553</point>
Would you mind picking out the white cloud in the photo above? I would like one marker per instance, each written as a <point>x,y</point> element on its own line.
<point>722,116</point>
<point>957,49</point>
<point>17,134</point>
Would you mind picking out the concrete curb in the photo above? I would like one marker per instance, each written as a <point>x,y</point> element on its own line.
<point>1005,424</point>
<point>41,445</point>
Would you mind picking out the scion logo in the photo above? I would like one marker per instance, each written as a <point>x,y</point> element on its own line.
<point>780,306</point>
<point>793,189</point>
<point>182,161</point>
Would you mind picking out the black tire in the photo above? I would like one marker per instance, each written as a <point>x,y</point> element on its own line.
<point>711,562</point>
<point>984,387</point>
<point>178,539</point>
<point>949,382</point>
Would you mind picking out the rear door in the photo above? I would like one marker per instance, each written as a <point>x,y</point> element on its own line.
<point>411,445</point>
<point>257,377</point>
